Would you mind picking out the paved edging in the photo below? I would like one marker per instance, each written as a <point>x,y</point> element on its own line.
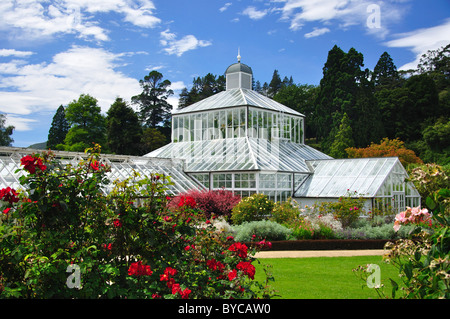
<point>319,253</point>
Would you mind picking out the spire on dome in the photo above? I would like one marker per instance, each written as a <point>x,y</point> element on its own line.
<point>239,75</point>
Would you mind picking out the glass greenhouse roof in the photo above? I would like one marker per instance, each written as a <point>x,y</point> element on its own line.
<point>241,154</point>
<point>236,97</point>
<point>338,177</point>
<point>122,167</point>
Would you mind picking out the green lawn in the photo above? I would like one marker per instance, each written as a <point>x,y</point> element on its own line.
<point>324,277</point>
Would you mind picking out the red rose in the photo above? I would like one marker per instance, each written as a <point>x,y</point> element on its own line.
<point>167,276</point>
<point>215,265</point>
<point>176,289</point>
<point>247,268</point>
<point>240,248</point>
<point>9,194</point>
<point>138,269</point>
<point>232,274</point>
<point>30,163</point>
<point>185,293</point>
<point>94,165</point>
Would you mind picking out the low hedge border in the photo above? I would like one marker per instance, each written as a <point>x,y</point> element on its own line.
<point>325,244</point>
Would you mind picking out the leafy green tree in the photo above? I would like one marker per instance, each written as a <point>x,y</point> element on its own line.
<point>58,129</point>
<point>155,110</point>
<point>152,139</point>
<point>424,107</point>
<point>5,132</point>
<point>438,135</point>
<point>434,147</point>
<point>393,103</point>
<point>87,124</point>
<point>343,139</point>
<point>123,129</point>
<point>300,98</point>
<point>436,64</point>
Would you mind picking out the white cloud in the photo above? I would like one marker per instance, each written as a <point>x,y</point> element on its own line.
<point>177,85</point>
<point>13,52</point>
<point>34,19</point>
<point>254,14</point>
<point>422,40</point>
<point>345,12</point>
<point>19,123</point>
<point>29,88</point>
<point>225,7</point>
<point>179,47</point>
<point>317,32</point>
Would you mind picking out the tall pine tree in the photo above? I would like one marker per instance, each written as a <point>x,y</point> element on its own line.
<point>345,88</point>
<point>202,87</point>
<point>275,84</point>
<point>155,110</point>
<point>385,73</point>
<point>58,129</point>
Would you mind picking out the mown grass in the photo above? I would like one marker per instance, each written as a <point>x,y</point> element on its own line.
<point>324,277</point>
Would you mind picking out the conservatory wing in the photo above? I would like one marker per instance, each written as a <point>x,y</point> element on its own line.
<point>122,167</point>
<point>341,177</point>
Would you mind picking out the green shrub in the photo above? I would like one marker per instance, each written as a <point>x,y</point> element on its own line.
<point>258,230</point>
<point>253,208</point>
<point>304,228</point>
<point>301,229</point>
<point>285,212</point>
<point>429,179</point>
<point>347,209</point>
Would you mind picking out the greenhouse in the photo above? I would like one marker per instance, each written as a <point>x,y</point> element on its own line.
<point>245,142</point>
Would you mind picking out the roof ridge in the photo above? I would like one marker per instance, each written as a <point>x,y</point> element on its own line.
<point>243,96</point>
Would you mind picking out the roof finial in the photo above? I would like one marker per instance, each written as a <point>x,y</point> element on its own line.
<point>239,55</point>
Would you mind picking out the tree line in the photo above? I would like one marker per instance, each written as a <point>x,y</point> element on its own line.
<point>355,107</point>
<point>122,130</point>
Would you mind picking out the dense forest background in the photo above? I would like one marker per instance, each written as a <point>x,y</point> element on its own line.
<point>352,108</point>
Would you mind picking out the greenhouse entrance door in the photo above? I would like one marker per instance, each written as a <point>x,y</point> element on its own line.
<point>399,202</point>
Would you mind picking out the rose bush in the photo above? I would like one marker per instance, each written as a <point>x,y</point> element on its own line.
<point>126,243</point>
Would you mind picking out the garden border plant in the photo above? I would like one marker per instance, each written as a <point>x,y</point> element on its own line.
<point>423,260</point>
<point>126,244</point>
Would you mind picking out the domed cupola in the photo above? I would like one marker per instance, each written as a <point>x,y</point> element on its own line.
<point>239,75</point>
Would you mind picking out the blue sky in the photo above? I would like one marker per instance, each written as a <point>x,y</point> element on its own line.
<point>51,51</point>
